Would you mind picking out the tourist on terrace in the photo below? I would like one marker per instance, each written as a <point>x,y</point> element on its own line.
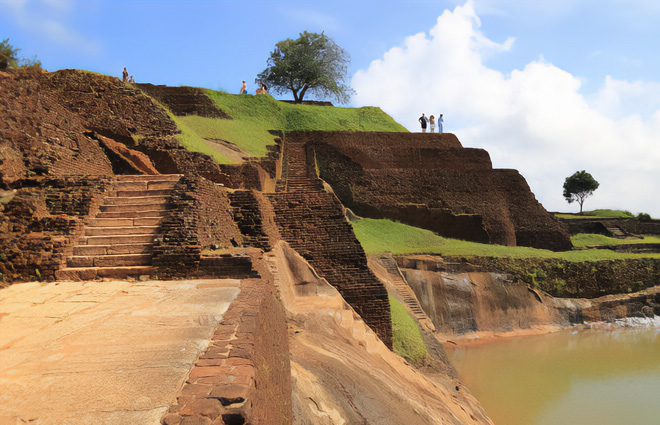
<point>423,120</point>
<point>440,121</point>
<point>432,123</point>
<point>244,88</point>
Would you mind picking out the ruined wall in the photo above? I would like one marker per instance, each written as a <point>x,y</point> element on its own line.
<point>184,100</point>
<point>198,218</point>
<point>40,222</point>
<point>429,180</point>
<point>244,377</point>
<point>314,225</point>
<point>628,225</point>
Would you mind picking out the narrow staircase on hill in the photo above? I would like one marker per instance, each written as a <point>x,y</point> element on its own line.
<point>405,291</point>
<point>614,230</point>
<point>118,242</point>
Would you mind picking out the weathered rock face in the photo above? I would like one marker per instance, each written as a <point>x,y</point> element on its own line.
<point>431,181</point>
<point>343,374</point>
<point>469,301</point>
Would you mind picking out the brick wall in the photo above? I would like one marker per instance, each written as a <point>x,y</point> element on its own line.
<point>429,180</point>
<point>39,225</point>
<point>244,377</point>
<point>314,225</point>
<point>198,218</point>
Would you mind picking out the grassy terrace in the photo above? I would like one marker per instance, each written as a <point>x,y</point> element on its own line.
<point>254,116</point>
<point>604,213</point>
<point>385,235</point>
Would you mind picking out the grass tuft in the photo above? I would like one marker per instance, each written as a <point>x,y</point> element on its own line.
<point>407,339</point>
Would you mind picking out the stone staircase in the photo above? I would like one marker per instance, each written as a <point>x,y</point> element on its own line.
<point>118,242</point>
<point>614,230</point>
<point>296,173</point>
<point>405,291</point>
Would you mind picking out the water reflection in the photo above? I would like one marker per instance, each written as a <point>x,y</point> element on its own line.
<point>589,377</point>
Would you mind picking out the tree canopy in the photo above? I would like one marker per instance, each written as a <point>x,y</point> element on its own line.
<point>578,187</point>
<point>313,63</point>
<point>8,55</point>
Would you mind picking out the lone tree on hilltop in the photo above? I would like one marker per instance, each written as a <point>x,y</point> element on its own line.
<point>313,63</point>
<point>579,186</point>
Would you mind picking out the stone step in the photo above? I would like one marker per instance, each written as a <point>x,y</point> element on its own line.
<point>148,177</point>
<point>133,207</point>
<point>120,260</point>
<point>113,240</point>
<point>134,193</point>
<point>133,248</point>
<point>155,213</point>
<point>90,273</point>
<point>128,230</point>
<point>136,200</point>
<point>145,185</point>
<point>124,222</point>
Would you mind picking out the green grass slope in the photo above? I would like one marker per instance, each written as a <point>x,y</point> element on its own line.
<point>379,235</point>
<point>254,116</point>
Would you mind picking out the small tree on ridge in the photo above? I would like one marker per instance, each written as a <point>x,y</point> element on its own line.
<point>579,186</point>
<point>313,63</point>
<point>8,55</point>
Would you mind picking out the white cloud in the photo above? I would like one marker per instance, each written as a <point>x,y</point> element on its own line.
<point>534,119</point>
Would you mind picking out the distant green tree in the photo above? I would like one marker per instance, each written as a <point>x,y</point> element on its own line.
<point>578,187</point>
<point>313,63</point>
<point>8,55</point>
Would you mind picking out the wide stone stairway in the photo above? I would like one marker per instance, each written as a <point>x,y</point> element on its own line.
<point>118,242</point>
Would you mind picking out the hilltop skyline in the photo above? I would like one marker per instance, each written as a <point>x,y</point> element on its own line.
<point>547,89</point>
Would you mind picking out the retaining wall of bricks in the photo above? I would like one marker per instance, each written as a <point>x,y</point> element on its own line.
<point>244,376</point>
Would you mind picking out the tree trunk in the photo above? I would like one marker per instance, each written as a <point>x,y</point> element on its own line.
<point>302,92</point>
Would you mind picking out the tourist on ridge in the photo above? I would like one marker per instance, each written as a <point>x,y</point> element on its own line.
<point>124,75</point>
<point>243,88</point>
<point>131,80</point>
<point>440,121</point>
<point>423,120</point>
<point>432,123</point>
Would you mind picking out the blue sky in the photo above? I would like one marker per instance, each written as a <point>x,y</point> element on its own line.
<point>547,87</point>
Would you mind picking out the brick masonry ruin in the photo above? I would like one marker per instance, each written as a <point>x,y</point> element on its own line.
<point>72,143</point>
<point>431,181</point>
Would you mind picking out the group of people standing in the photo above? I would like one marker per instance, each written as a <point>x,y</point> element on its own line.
<point>431,121</point>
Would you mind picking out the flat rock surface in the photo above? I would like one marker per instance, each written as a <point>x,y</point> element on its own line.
<point>103,352</point>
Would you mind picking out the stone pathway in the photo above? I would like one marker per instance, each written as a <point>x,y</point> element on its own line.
<point>103,352</point>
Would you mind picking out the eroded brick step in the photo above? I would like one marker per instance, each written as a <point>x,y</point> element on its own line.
<point>90,273</point>
<point>132,193</point>
<point>145,185</point>
<point>132,207</point>
<point>124,222</point>
<point>156,213</point>
<point>136,200</point>
<point>128,230</point>
<point>147,177</point>
<point>121,260</point>
<point>112,240</point>
<point>133,248</point>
